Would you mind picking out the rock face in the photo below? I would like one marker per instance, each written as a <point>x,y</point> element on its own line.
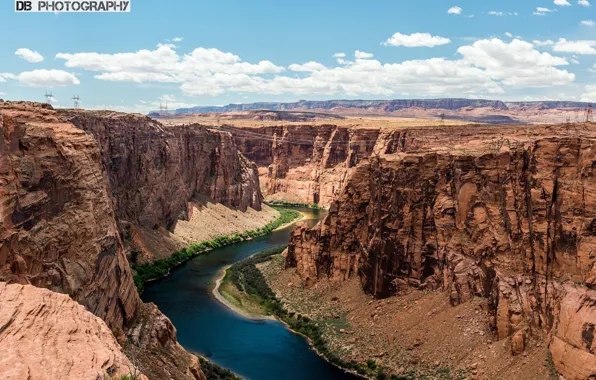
<point>507,219</point>
<point>58,231</point>
<point>46,335</point>
<point>306,164</point>
<point>156,172</point>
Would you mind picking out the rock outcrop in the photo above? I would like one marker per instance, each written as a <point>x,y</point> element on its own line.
<point>156,173</point>
<point>304,163</point>
<point>59,231</point>
<point>510,219</point>
<point>46,335</point>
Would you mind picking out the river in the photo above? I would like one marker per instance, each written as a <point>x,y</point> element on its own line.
<point>255,350</point>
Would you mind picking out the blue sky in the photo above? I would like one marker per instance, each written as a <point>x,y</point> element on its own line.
<point>221,52</point>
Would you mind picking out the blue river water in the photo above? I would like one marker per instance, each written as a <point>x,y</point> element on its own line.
<point>255,350</point>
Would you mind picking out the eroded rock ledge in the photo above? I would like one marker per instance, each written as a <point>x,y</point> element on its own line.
<point>509,219</point>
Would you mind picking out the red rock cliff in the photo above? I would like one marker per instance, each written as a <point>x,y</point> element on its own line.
<point>304,163</point>
<point>58,230</point>
<point>511,219</point>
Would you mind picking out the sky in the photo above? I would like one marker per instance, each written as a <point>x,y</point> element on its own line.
<point>194,52</point>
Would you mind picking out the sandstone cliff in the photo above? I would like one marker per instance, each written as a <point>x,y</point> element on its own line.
<point>46,335</point>
<point>156,173</point>
<point>506,214</point>
<point>305,163</point>
<point>58,231</point>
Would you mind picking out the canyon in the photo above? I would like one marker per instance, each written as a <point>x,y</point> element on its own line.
<point>497,218</point>
<point>82,191</point>
<point>501,213</point>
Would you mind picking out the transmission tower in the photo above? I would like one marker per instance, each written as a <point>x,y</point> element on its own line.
<point>48,97</point>
<point>589,113</point>
<point>76,99</point>
<point>443,119</point>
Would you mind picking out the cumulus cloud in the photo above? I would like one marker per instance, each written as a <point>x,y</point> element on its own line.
<point>484,68</point>
<point>541,11</point>
<point>307,67</point>
<point>590,94</point>
<point>455,10</point>
<point>415,40</point>
<point>516,63</point>
<point>339,55</point>
<point>584,47</point>
<point>362,55</point>
<point>495,13</point>
<point>584,3</point>
<point>29,55</point>
<point>589,23</point>
<point>44,78</point>
<point>543,43</point>
<point>177,39</point>
<point>562,3</point>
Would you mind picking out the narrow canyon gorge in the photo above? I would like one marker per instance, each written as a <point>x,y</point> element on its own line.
<point>497,216</point>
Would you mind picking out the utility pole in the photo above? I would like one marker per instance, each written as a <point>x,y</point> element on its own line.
<point>49,97</point>
<point>589,113</point>
<point>76,99</point>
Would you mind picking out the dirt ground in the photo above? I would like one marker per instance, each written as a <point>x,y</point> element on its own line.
<point>416,331</point>
<point>210,220</point>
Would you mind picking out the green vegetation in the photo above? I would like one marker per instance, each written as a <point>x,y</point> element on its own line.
<point>214,372</point>
<point>160,268</point>
<point>247,278</point>
<point>292,204</point>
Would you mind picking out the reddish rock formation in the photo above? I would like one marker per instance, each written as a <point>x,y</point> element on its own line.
<point>507,219</point>
<point>155,172</point>
<point>304,163</point>
<point>58,230</point>
<point>46,335</point>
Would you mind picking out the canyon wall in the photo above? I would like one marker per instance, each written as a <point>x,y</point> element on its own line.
<point>507,214</point>
<point>156,173</point>
<point>59,231</point>
<point>304,163</point>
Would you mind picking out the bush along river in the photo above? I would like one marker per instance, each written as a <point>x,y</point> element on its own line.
<point>254,349</point>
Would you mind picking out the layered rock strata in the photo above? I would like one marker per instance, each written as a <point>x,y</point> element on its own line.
<point>59,231</point>
<point>46,335</point>
<point>506,218</point>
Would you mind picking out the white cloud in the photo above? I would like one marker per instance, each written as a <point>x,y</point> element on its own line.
<point>590,94</point>
<point>307,67</point>
<point>485,68</point>
<point>339,55</point>
<point>540,11</point>
<point>589,23</point>
<point>416,40</point>
<point>2,93</point>
<point>455,10</point>
<point>584,3</point>
<point>508,34</point>
<point>584,47</point>
<point>574,61</point>
<point>362,55</point>
<point>516,63</point>
<point>44,78</point>
<point>543,43</point>
<point>29,55</point>
<point>495,13</point>
<point>562,3</point>
<point>177,39</point>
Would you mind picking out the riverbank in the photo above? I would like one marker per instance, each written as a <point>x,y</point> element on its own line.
<point>223,293</point>
<point>293,204</point>
<point>251,288</point>
<point>157,269</point>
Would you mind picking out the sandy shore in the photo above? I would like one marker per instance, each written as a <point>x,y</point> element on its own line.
<point>219,297</point>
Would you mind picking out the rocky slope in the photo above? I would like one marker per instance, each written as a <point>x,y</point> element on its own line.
<point>46,335</point>
<point>505,214</point>
<point>59,230</point>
